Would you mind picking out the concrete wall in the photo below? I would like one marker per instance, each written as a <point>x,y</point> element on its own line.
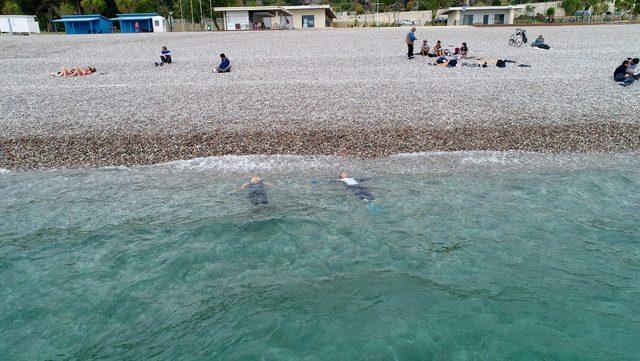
<point>419,17</point>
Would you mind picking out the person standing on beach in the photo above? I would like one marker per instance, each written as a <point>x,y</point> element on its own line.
<point>410,39</point>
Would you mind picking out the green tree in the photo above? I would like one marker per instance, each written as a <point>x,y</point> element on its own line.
<point>11,8</point>
<point>94,6</point>
<point>600,8</point>
<point>409,5</point>
<point>66,8</point>
<point>137,6</point>
<point>529,9</point>
<point>359,9</point>
<point>551,12</point>
<point>570,6</point>
<point>623,5</point>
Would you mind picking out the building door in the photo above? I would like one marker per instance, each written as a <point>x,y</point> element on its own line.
<point>467,20</point>
<point>485,20</point>
<point>308,21</point>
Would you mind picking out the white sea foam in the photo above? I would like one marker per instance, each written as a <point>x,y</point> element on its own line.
<point>4,171</point>
<point>406,163</point>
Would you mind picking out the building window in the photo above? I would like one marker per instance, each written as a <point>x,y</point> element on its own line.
<point>467,20</point>
<point>157,23</point>
<point>308,21</point>
<point>498,19</point>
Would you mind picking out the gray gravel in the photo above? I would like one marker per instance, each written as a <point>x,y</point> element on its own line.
<point>335,82</point>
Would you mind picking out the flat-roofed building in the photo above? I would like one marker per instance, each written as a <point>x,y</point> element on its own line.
<point>481,15</point>
<point>276,17</point>
<point>141,23</point>
<point>311,16</point>
<point>85,24</point>
<point>19,24</point>
<point>255,17</point>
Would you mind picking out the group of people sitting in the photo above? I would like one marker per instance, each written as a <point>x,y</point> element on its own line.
<point>627,72</point>
<point>165,58</point>
<point>437,50</point>
<point>458,56</point>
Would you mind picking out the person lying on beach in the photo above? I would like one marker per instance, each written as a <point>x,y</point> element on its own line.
<point>257,190</point>
<point>622,76</point>
<point>224,66</point>
<point>424,49</point>
<point>77,71</point>
<point>165,56</point>
<point>443,61</point>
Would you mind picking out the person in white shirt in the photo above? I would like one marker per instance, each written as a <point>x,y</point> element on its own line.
<point>354,186</point>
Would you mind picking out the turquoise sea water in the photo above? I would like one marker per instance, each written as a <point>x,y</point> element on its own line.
<point>466,256</point>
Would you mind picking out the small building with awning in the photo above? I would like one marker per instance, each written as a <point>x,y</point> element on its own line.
<point>276,17</point>
<point>85,24</point>
<point>255,17</point>
<point>141,23</point>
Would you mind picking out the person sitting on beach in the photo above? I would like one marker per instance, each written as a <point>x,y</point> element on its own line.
<point>224,66</point>
<point>464,51</point>
<point>622,76</point>
<point>438,49</point>
<point>424,49</point>
<point>77,71</point>
<point>539,43</point>
<point>257,190</point>
<point>633,68</point>
<point>165,56</point>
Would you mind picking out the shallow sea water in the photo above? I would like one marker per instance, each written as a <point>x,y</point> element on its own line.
<point>464,256</point>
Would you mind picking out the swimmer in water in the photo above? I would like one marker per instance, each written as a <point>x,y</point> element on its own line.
<point>354,187</point>
<point>257,190</point>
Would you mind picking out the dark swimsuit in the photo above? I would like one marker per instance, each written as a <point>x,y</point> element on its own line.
<point>360,191</point>
<point>257,193</point>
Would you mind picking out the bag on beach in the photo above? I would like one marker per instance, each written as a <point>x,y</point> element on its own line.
<point>500,63</point>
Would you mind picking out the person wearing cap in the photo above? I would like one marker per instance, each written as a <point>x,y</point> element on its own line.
<point>410,39</point>
<point>424,49</point>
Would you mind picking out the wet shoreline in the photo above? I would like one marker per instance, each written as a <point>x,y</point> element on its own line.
<point>94,149</point>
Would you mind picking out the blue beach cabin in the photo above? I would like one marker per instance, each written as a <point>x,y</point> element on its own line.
<point>85,24</point>
<point>141,23</point>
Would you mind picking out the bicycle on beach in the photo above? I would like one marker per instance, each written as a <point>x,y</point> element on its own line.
<point>519,38</point>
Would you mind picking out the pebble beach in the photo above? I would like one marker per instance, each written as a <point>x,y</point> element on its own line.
<point>347,92</point>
